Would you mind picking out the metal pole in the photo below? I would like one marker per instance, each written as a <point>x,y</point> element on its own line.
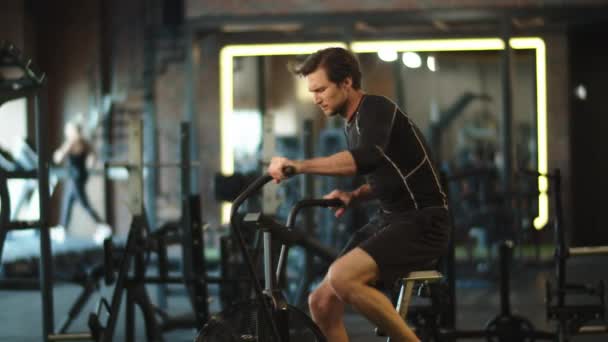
<point>185,192</point>
<point>309,192</point>
<point>506,249</point>
<point>108,190</point>
<point>450,319</point>
<point>136,285</point>
<point>150,124</point>
<point>270,201</point>
<point>106,60</point>
<point>560,239</point>
<point>193,243</point>
<point>507,108</point>
<point>130,312</point>
<point>268,275</point>
<point>150,127</point>
<point>199,262</point>
<point>450,265</point>
<point>135,204</point>
<point>261,86</point>
<point>106,70</point>
<point>4,210</point>
<point>46,254</point>
<point>190,107</point>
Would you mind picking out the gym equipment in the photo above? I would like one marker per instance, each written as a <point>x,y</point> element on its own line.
<point>188,230</point>
<point>447,116</point>
<point>5,207</point>
<point>135,287</point>
<point>421,278</point>
<point>136,292</point>
<point>503,327</point>
<point>227,188</point>
<point>481,211</point>
<point>19,79</point>
<point>267,317</point>
<point>437,323</point>
<point>7,162</point>
<point>26,159</point>
<point>307,276</point>
<point>193,244</point>
<point>89,280</point>
<point>140,243</point>
<point>572,319</point>
<point>407,285</point>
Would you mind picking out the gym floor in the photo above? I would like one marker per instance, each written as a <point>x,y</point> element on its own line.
<point>478,302</point>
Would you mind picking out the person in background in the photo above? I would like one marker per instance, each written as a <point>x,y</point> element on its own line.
<point>78,155</point>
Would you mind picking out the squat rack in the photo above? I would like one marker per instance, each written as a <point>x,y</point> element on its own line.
<point>28,84</point>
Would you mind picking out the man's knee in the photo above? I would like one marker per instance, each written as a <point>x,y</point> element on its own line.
<point>322,301</point>
<point>351,272</point>
<point>342,285</point>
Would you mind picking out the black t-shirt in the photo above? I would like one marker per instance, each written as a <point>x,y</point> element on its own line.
<point>77,166</point>
<point>392,154</point>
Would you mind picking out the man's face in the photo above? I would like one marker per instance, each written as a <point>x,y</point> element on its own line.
<point>329,96</point>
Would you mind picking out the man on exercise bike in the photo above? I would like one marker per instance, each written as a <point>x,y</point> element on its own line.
<point>411,230</point>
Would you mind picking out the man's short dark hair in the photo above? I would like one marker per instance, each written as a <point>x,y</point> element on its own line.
<point>339,64</point>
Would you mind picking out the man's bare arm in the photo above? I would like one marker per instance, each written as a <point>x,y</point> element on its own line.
<point>339,164</point>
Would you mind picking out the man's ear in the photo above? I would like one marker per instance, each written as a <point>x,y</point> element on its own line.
<point>347,82</point>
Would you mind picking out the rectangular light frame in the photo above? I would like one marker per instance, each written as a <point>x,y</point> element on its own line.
<point>537,44</point>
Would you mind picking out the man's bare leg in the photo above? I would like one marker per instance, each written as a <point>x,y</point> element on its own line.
<point>349,277</point>
<point>327,311</point>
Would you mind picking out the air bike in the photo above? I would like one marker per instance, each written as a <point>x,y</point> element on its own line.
<point>267,317</point>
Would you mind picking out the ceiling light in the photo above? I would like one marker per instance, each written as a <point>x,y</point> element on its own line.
<point>581,92</point>
<point>431,63</point>
<point>388,55</point>
<point>411,60</point>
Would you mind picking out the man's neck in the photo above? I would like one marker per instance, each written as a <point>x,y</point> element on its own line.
<point>353,104</point>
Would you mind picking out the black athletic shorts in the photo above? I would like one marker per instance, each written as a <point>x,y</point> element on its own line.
<point>403,242</point>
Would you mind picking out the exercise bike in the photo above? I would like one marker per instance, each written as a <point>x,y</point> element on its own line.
<point>267,317</point>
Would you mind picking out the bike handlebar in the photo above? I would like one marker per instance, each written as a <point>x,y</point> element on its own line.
<point>325,203</point>
<point>252,188</point>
